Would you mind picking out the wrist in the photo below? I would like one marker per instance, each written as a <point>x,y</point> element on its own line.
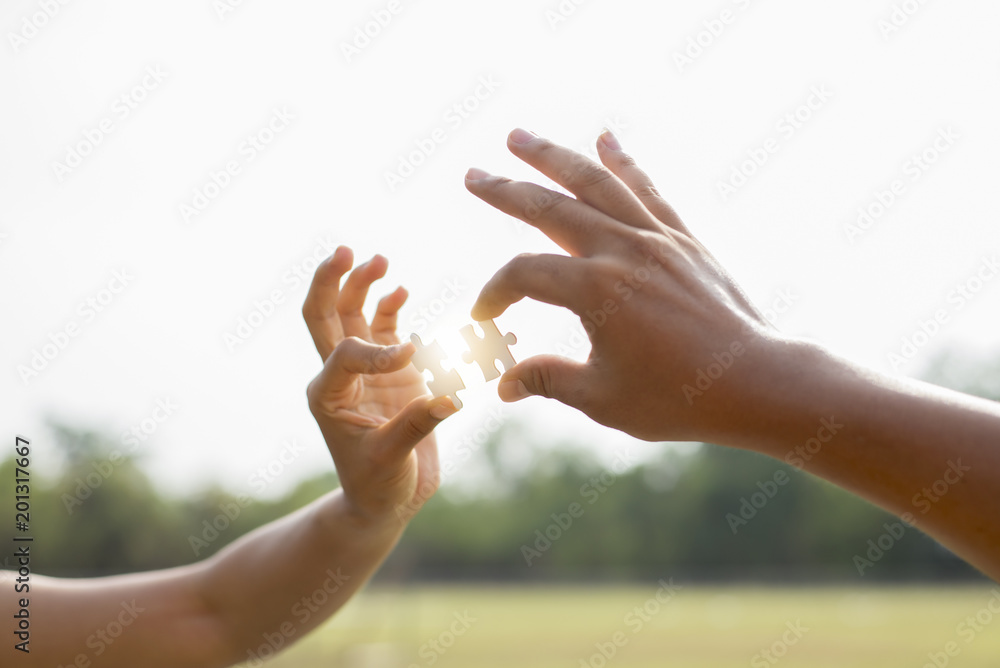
<point>341,515</point>
<point>787,387</point>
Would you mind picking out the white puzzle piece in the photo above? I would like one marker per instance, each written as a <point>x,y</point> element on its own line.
<point>446,382</point>
<point>487,350</point>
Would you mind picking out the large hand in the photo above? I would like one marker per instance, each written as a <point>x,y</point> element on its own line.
<point>368,399</point>
<point>675,343</point>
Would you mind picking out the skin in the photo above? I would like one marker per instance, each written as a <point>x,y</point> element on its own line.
<point>661,311</point>
<point>274,585</point>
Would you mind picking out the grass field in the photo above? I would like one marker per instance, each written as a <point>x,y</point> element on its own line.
<point>520,627</point>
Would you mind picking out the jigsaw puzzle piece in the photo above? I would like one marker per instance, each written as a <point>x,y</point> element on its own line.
<point>446,382</point>
<point>488,349</point>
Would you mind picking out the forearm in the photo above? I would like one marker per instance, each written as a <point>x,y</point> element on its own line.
<point>260,594</point>
<point>917,450</point>
<point>270,588</point>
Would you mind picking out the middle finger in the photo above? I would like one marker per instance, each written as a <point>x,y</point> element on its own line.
<point>353,294</point>
<point>592,183</point>
<point>578,228</point>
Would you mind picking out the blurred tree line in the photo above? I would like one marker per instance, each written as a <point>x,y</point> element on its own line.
<point>715,514</point>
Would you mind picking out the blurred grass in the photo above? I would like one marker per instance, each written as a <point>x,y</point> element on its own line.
<point>544,626</point>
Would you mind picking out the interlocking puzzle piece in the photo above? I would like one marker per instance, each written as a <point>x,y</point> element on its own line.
<point>488,349</point>
<point>446,382</point>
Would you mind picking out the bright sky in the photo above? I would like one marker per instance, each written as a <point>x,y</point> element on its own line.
<point>180,165</point>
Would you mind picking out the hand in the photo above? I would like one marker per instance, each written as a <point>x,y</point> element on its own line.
<point>676,345</point>
<point>369,400</point>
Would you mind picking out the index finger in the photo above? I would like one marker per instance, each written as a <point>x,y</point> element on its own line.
<point>335,388</point>
<point>320,307</point>
<point>553,279</point>
<point>578,228</point>
<point>626,168</point>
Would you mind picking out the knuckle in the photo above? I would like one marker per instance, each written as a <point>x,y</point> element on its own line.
<point>521,262</point>
<point>341,350</point>
<point>599,282</point>
<point>513,274</point>
<point>429,488</point>
<point>497,186</point>
<point>542,145</point>
<point>309,310</point>
<point>380,362</point>
<point>384,305</point>
<point>685,253</point>
<point>313,396</point>
<point>647,191</point>
<point>627,161</point>
<point>588,174</point>
<point>346,310</point>
<point>348,349</point>
<point>542,204</point>
<point>414,429</point>
<point>543,381</point>
<point>642,244</point>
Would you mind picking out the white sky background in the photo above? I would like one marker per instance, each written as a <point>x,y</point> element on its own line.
<point>323,178</point>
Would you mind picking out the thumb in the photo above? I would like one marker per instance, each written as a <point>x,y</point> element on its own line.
<point>549,376</point>
<point>414,423</point>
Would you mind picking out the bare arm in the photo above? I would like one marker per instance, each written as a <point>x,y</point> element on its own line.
<point>271,587</point>
<point>679,353</point>
<point>291,575</point>
<point>253,599</point>
<point>925,453</point>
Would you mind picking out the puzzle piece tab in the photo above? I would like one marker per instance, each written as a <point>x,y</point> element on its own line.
<point>446,382</point>
<point>488,349</point>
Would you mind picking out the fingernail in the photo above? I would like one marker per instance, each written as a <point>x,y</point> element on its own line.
<point>513,390</point>
<point>444,409</point>
<point>476,174</point>
<point>610,140</point>
<point>520,136</point>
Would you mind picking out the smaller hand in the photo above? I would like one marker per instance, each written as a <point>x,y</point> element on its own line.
<point>369,401</point>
